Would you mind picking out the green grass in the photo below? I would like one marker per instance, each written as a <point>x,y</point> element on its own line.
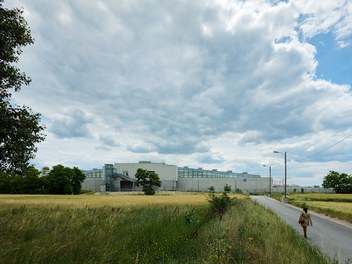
<point>324,197</point>
<point>334,205</point>
<point>247,233</point>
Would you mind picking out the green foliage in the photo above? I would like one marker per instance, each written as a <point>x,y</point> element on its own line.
<point>340,182</point>
<point>28,182</point>
<point>195,221</point>
<point>20,129</point>
<point>211,189</point>
<point>19,132</point>
<point>14,34</point>
<point>219,204</point>
<point>148,180</point>
<point>238,191</point>
<point>227,188</point>
<point>77,178</point>
<point>59,180</point>
<point>64,180</point>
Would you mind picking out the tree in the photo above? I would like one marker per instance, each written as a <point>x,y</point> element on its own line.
<point>64,180</point>
<point>19,126</point>
<point>19,132</point>
<point>5,182</point>
<point>77,178</point>
<point>59,180</point>
<point>148,180</point>
<point>28,182</point>
<point>340,182</point>
<point>32,183</point>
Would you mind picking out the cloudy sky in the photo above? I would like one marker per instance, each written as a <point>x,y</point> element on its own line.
<point>213,84</point>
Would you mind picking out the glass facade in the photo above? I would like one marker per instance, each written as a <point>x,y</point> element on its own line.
<point>94,173</point>
<point>108,171</point>
<point>185,172</point>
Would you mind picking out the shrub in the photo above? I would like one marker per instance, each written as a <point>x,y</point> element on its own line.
<point>219,204</point>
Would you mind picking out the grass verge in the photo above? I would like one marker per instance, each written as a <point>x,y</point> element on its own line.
<point>334,205</point>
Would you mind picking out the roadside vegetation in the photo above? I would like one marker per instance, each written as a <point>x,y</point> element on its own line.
<point>334,205</point>
<point>138,229</point>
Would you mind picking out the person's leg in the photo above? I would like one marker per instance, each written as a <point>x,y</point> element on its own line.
<point>305,231</point>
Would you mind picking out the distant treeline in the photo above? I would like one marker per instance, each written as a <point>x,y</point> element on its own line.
<point>58,180</point>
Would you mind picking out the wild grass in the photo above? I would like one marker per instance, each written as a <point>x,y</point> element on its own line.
<point>249,233</point>
<point>327,197</point>
<point>334,205</point>
<point>78,230</point>
<point>119,200</point>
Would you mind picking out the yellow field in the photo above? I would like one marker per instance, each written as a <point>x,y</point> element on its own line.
<point>114,200</point>
<point>334,206</point>
<point>321,196</point>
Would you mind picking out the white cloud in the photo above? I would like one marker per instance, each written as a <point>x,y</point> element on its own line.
<point>205,83</point>
<point>327,16</point>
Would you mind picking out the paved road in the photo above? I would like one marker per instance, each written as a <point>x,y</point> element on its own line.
<point>332,237</point>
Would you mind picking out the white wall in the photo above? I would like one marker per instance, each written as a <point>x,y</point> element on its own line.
<point>165,172</point>
<point>203,184</point>
<point>92,184</point>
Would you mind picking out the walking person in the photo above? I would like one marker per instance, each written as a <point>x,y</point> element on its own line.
<point>305,220</point>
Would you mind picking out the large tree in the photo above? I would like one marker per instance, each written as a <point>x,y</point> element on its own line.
<point>340,182</point>
<point>65,180</point>
<point>20,128</point>
<point>148,180</point>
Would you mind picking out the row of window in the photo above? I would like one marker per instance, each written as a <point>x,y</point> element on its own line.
<point>199,173</point>
<point>183,173</point>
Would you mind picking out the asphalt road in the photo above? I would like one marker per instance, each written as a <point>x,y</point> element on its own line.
<point>332,237</point>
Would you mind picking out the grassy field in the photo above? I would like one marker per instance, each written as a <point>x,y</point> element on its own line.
<point>113,200</point>
<point>334,205</point>
<point>143,229</point>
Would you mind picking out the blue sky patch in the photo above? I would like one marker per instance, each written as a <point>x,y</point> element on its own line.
<point>334,62</point>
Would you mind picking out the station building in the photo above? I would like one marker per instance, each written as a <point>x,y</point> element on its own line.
<point>121,177</point>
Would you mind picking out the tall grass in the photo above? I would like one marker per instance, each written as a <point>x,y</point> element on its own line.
<point>94,235</point>
<point>247,233</point>
<point>333,205</point>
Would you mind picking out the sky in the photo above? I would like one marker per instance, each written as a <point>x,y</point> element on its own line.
<point>217,84</point>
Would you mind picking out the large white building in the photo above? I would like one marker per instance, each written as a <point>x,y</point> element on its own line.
<point>121,177</point>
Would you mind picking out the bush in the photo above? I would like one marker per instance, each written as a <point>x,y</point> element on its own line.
<point>219,204</point>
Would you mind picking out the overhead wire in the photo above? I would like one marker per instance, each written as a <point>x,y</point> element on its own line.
<point>329,147</point>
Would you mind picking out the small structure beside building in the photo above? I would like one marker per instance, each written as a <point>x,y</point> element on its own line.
<point>121,177</point>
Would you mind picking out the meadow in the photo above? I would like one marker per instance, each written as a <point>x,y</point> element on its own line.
<point>334,205</point>
<point>133,228</point>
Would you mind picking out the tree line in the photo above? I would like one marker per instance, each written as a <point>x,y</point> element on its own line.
<point>58,180</point>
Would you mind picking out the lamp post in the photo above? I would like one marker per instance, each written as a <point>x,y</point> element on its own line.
<point>275,151</point>
<point>269,178</point>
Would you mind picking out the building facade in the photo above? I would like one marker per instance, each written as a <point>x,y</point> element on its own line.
<point>121,177</point>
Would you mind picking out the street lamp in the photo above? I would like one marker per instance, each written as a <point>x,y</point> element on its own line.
<point>269,178</point>
<point>275,151</point>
